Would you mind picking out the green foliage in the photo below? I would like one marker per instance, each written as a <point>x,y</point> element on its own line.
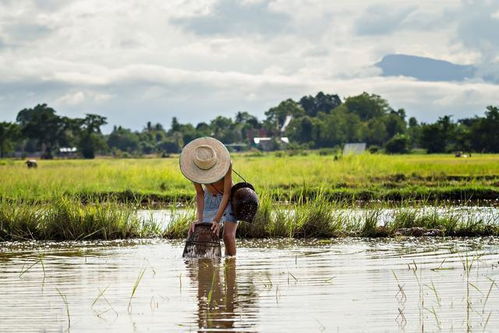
<point>368,106</point>
<point>436,138</point>
<point>91,138</point>
<point>277,115</point>
<point>361,118</point>
<point>123,139</point>
<point>321,218</point>
<point>399,144</point>
<point>67,219</point>
<point>43,125</point>
<point>9,133</point>
<point>320,103</point>
<point>374,149</point>
<point>320,121</point>
<point>484,132</point>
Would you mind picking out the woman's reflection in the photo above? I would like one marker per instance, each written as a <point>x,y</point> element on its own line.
<point>217,293</point>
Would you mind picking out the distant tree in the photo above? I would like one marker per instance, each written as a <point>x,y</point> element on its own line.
<point>222,128</point>
<point>376,133</point>
<point>395,123</point>
<point>414,131</point>
<point>399,144</point>
<point>413,122</point>
<point>245,125</point>
<point>302,130</point>
<point>484,132</point>
<point>159,128</point>
<point>175,126</point>
<point>9,133</point>
<point>246,118</point>
<point>203,129</point>
<point>320,103</point>
<point>276,116</point>
<point>339,127</point>
<point>170,146</point>
<point>189,133</point>
<point>123,139</point>
<point>437,137</point>
<point>368,106</point>
<point>42,124</point>
<point>91,138</point>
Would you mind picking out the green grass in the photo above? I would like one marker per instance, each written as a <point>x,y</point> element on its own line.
<point>323,219</point>
<point>67,219</point>
<point>301,195</point>
<point>286,178</point>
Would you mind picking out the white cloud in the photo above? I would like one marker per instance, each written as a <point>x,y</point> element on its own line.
<point>135,61</point>
<point>80,97</point>
<point>71,98</point>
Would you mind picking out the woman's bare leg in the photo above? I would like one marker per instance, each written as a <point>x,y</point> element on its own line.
<point>230,238</point>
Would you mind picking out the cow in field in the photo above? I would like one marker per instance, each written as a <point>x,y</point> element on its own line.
<point>31,164</point>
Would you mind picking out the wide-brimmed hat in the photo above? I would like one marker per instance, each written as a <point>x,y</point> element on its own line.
<point>204,160</point>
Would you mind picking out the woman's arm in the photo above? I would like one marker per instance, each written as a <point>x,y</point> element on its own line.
<point>199,206</point>
<point>199,201</point>
<point>225,199</point>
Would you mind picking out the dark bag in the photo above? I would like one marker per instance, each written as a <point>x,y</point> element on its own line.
<point>244,201</point>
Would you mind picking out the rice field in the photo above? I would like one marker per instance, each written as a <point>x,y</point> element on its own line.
<point>283,177</point>
<point>302,196</point>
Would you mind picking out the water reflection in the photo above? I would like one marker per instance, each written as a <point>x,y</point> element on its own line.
<point>220,304</point>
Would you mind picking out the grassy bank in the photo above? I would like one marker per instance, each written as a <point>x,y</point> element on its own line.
<point>281,177</point>
<point>66,219</point>
<point>322,219</point>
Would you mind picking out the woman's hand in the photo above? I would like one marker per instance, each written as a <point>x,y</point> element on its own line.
<point>192,226</point>
<point>215,227</point>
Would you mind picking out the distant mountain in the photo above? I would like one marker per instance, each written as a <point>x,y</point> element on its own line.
<point>424,69</point>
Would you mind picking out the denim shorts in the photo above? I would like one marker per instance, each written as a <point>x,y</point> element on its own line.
<point>211,204</point>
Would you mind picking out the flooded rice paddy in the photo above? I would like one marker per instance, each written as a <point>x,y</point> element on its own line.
<point>407,284</point>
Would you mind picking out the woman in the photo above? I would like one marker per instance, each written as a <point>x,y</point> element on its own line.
<point>206,161</point>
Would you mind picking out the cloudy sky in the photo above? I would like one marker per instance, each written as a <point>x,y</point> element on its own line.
<point>135,61</point>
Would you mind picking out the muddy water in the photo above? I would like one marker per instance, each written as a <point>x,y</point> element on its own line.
<point>273,286</point>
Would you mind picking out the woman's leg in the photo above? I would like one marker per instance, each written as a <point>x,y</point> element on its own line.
<point>230,238</point>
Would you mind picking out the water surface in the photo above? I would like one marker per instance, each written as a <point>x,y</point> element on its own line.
<point>273,286</point>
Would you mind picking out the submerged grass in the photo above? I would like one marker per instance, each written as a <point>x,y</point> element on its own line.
<point>68,219</point>
<point>323,219</point>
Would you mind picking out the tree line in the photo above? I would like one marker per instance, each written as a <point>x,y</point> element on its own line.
<point>320,121</point>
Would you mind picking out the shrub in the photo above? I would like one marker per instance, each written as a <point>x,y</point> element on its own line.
<point>374,149</point>
<point>399,144</point>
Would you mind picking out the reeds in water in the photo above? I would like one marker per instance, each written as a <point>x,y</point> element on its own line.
<point>69,219</point>
<point>321,218</point>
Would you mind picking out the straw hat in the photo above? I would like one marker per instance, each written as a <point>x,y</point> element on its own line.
<point>204,160</point>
